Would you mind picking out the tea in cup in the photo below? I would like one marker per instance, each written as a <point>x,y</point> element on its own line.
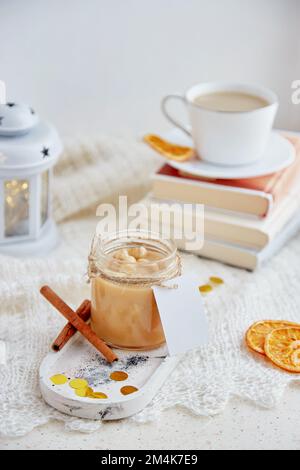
<point>230,123</point>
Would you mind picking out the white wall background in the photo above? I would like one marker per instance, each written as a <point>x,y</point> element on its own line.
<point>103,65</point>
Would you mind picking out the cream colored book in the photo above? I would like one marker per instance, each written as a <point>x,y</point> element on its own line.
<point>242,257</point>
<point>169,184</point>
<point>248,232</point>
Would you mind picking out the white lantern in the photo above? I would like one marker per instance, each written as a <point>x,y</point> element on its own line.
<point>29,149</point>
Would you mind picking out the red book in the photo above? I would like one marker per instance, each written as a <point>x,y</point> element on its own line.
<point>254,196</point>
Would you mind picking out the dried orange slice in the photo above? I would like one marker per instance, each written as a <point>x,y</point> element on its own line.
<point>169,150</point>
<point>256,335</point>
<point>282,346</point>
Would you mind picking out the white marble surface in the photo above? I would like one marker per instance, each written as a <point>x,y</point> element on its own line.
<point>242,426</point>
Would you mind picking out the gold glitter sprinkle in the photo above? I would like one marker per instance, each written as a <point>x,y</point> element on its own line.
<point>59,379</point>
<point>205,289</point>
<point>216,280</point>
<point>118,376</point>
<point>128,389</point>
<point>78,383</point>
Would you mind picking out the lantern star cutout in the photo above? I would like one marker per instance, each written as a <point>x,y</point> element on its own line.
<point>45,152</point>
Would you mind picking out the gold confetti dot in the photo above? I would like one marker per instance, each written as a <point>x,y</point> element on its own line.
<point>118,376</point>
<point>78,383</point>
<point>89,392</point>
<point>81,392</point>
<point>205,289</point>
<point>216,280</point>
<point>59,379</point>
<point>128,389</point>
<point>98,395</point>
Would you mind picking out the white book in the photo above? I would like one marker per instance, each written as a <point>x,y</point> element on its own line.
<point>237,199</point>
<point>245,231</point>
<point>245,258</point>
<point>219,249</point>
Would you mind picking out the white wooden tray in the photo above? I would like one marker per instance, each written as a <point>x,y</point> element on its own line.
<point>146,371</point>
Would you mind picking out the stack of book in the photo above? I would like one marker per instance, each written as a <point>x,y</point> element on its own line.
<point>246,221</point>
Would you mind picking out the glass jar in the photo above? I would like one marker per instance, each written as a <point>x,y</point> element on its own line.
<point>123,268</point>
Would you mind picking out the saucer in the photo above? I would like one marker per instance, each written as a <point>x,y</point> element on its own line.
<point>279,154</point>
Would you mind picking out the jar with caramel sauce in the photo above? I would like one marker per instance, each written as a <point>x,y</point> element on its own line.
<point>123,268</point>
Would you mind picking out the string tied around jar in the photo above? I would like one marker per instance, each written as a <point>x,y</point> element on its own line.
<point>97,268</point>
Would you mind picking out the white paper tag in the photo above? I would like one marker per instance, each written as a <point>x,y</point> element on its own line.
<point>182,314</point>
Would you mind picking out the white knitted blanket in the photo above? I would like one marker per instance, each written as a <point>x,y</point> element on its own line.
<point>205,379</point>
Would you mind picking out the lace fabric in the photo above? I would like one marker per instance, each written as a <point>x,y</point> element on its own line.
<point>205,379</point>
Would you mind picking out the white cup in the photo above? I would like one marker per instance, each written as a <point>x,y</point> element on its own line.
<point>227,138</point>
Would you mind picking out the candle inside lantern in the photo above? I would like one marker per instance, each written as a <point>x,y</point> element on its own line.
<point>45,197</point>
<point>16,208</point>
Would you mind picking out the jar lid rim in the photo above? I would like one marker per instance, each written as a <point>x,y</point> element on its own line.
<point>97,256</point>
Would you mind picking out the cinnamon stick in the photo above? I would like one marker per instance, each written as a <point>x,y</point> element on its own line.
<point>84,312</point>
<point>78,323</point>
